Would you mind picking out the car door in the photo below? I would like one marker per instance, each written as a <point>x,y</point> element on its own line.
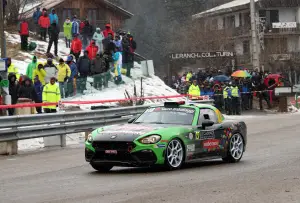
<point>208,140</point>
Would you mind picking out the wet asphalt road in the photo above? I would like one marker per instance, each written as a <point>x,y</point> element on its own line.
<point>268,172</point>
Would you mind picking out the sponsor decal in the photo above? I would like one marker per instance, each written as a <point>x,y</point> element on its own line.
<point>164,141</point>
<point>198,135</point>
<point>191,136</point>
<point>124,132</point>
<point>185,110</point>
<point>190,148</point>
<point>206,135</point>
<point>211,144</point>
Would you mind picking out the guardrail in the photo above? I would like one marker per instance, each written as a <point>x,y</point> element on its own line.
<point>14,128</point>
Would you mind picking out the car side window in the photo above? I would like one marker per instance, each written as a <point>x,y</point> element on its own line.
<point>212,116</point>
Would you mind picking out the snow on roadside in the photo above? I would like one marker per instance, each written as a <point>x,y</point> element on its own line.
<point>38,143</point>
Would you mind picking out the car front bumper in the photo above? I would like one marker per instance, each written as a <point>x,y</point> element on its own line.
<point>128,153</point>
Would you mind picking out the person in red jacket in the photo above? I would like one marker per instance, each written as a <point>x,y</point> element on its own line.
<point>24,33</point>
<point>92,50</point>
<point>81,26</point>
<point>108,30</point>
<point>44,22</point>
<point>76,47</point>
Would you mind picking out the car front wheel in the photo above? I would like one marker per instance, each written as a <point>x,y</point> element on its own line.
<point>236,149</point>
<point>101,167</point>
<point>174,157</point>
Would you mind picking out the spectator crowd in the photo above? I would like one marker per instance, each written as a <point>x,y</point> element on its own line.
<point>232,95</point>
<point>93,52</point>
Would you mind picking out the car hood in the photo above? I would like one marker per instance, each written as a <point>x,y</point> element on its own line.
<point>126,132</point>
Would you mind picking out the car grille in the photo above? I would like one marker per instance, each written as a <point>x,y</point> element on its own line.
<point>120,146</point>
<point>123,151</point>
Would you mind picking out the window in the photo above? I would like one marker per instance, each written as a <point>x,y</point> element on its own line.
<point>274,16</point>
<point>246,47</point>
<point>162,115</point>
<point>212,116</point>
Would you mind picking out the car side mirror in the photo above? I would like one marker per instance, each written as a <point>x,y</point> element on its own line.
<point>207,123</point>
<point>132,119</point>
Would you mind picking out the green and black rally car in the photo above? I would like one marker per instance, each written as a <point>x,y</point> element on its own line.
<point>169,135</point>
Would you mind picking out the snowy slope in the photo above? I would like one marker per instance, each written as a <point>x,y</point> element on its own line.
<point>152,86</point>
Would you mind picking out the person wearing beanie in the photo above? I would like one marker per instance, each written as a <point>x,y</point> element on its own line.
<point>12,69</point>
<point>53,35</point>
<point>64,73</point>
<point>84,69</point>
<point>50,69</point>
<point>51,94</point>
<point>70,83</point>
<point>31,67</point>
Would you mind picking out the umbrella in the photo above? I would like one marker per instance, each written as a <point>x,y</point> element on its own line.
<point>221,78</point>
<point>241,74</point>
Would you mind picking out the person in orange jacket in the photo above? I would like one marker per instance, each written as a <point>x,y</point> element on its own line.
<point>76,47</point>
<point>92,50</point>
<point>108,30</point>
<point>44,22</point>
<point>24,33</point>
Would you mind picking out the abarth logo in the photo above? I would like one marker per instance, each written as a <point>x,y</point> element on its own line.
<point>113,137</point>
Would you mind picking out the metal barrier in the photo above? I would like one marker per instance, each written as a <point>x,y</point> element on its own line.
<point>46,125</point>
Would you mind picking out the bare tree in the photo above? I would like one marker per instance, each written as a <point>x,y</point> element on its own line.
<point>14,8</point>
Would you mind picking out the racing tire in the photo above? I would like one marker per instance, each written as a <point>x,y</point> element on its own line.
<point>174,155</point>
<point>235,149</point>
<point>101,167</point>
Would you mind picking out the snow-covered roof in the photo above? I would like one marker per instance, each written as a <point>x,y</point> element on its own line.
<point>228,7</point>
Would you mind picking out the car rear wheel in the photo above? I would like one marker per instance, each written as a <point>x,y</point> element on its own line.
<point>236,149</point>
<point>174,157</point>
<point>101,167</point>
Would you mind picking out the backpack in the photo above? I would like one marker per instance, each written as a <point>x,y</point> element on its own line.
<point>32,46</point>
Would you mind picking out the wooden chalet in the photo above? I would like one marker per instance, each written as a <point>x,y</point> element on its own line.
<point>99,12</point>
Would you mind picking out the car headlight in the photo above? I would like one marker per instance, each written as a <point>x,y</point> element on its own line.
<point>90,138</point>
<point>152,139</point>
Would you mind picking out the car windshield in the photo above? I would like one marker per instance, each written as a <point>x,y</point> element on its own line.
<point>162,115</point>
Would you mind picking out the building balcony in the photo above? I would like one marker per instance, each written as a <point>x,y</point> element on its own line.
<point>288,28</point>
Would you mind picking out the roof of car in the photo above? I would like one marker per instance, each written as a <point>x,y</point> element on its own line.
<point>201,106</point>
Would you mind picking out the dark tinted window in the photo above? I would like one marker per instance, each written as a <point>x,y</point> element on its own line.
<point>162,115</point>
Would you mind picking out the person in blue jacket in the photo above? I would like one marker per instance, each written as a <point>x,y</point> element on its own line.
<point>74,72</point>
<point>75,26</point>
<point>36,16</point>
<point>245,95</point>
<point>38,86</point>
<point>53,16</point>
<point>53,19</point>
